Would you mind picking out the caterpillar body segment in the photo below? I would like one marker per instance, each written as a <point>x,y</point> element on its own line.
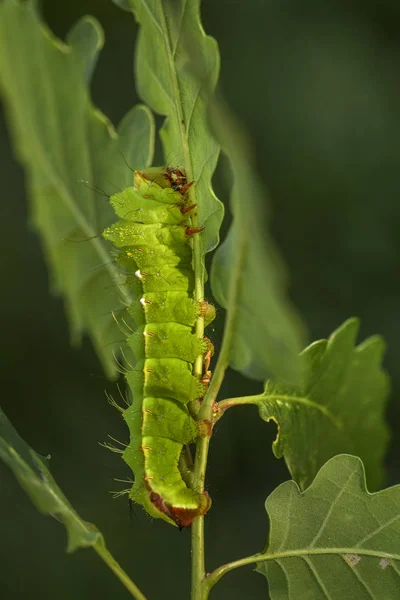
<point>132,206</point>
<point>153,236</point>
<point>166,378</point>
<point>162,307</point>
<point>143,256</point>
<point>163,278</point>
<point>167,340</point>
<point>129,233</point>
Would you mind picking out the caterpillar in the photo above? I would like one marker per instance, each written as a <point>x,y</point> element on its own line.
<point>153,238</point>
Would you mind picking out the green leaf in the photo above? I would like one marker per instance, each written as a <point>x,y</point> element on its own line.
<point>335,541</point>
<point>61,139</point>
<point>339,409</point>
<point>31,471</point>
<point>247,274</point>
<point>166,85</point>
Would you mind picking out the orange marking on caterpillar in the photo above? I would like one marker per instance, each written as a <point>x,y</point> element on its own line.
<point>186,209</point>
<point>192,230</point>
<point>184,188</point>
<point>176,177</point>
<point>178,180</point>
<point>204,308</point>
<point>144,301</point>
<point>205,380</point>
<point>182,517</point>
<point>208,354</point>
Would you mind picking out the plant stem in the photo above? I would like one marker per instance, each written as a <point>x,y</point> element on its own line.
<point>229,331</point>
<point>198,562</point>
<point>198,559</point>
<point>206,409</point>
<point>198,570</point>
<point>287,398</point>
<point>223,405</point>
<point>105,555</point>
<point>202,447</point>
<point>216,575</point>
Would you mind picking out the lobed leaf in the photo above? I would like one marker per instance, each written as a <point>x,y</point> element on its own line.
<point>247,275</point>
<point>335,540</point>
<point>340,407</point>
<point>166,84</point>
<point>62,140</point>
<point>177,69</point>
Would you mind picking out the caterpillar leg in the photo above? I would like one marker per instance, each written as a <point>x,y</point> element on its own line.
<point>205,380</point>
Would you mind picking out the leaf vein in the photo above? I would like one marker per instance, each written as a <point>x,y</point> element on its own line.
<point>379,529</point>
<point>178,37</point>
<point>331,509</point>
<point>317,577</point>
<point>152,16</point>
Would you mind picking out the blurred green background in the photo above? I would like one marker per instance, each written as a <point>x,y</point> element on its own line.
<point>317,84</point>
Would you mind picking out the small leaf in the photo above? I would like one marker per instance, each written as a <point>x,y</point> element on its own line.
<point>166,85</point>
<point>339,409</point>
<point>63,141</point>
<point>335,541</point>
<point>31,471</point>
<point>247,274</point>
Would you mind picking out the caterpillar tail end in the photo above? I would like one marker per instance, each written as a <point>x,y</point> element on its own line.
<point>182,516</point>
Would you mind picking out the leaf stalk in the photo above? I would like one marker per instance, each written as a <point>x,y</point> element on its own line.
<point>126,581</point>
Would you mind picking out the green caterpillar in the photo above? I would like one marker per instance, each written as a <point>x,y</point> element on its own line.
<point>153,236</point>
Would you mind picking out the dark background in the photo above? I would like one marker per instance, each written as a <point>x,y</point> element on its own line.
<point>317,85</point>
